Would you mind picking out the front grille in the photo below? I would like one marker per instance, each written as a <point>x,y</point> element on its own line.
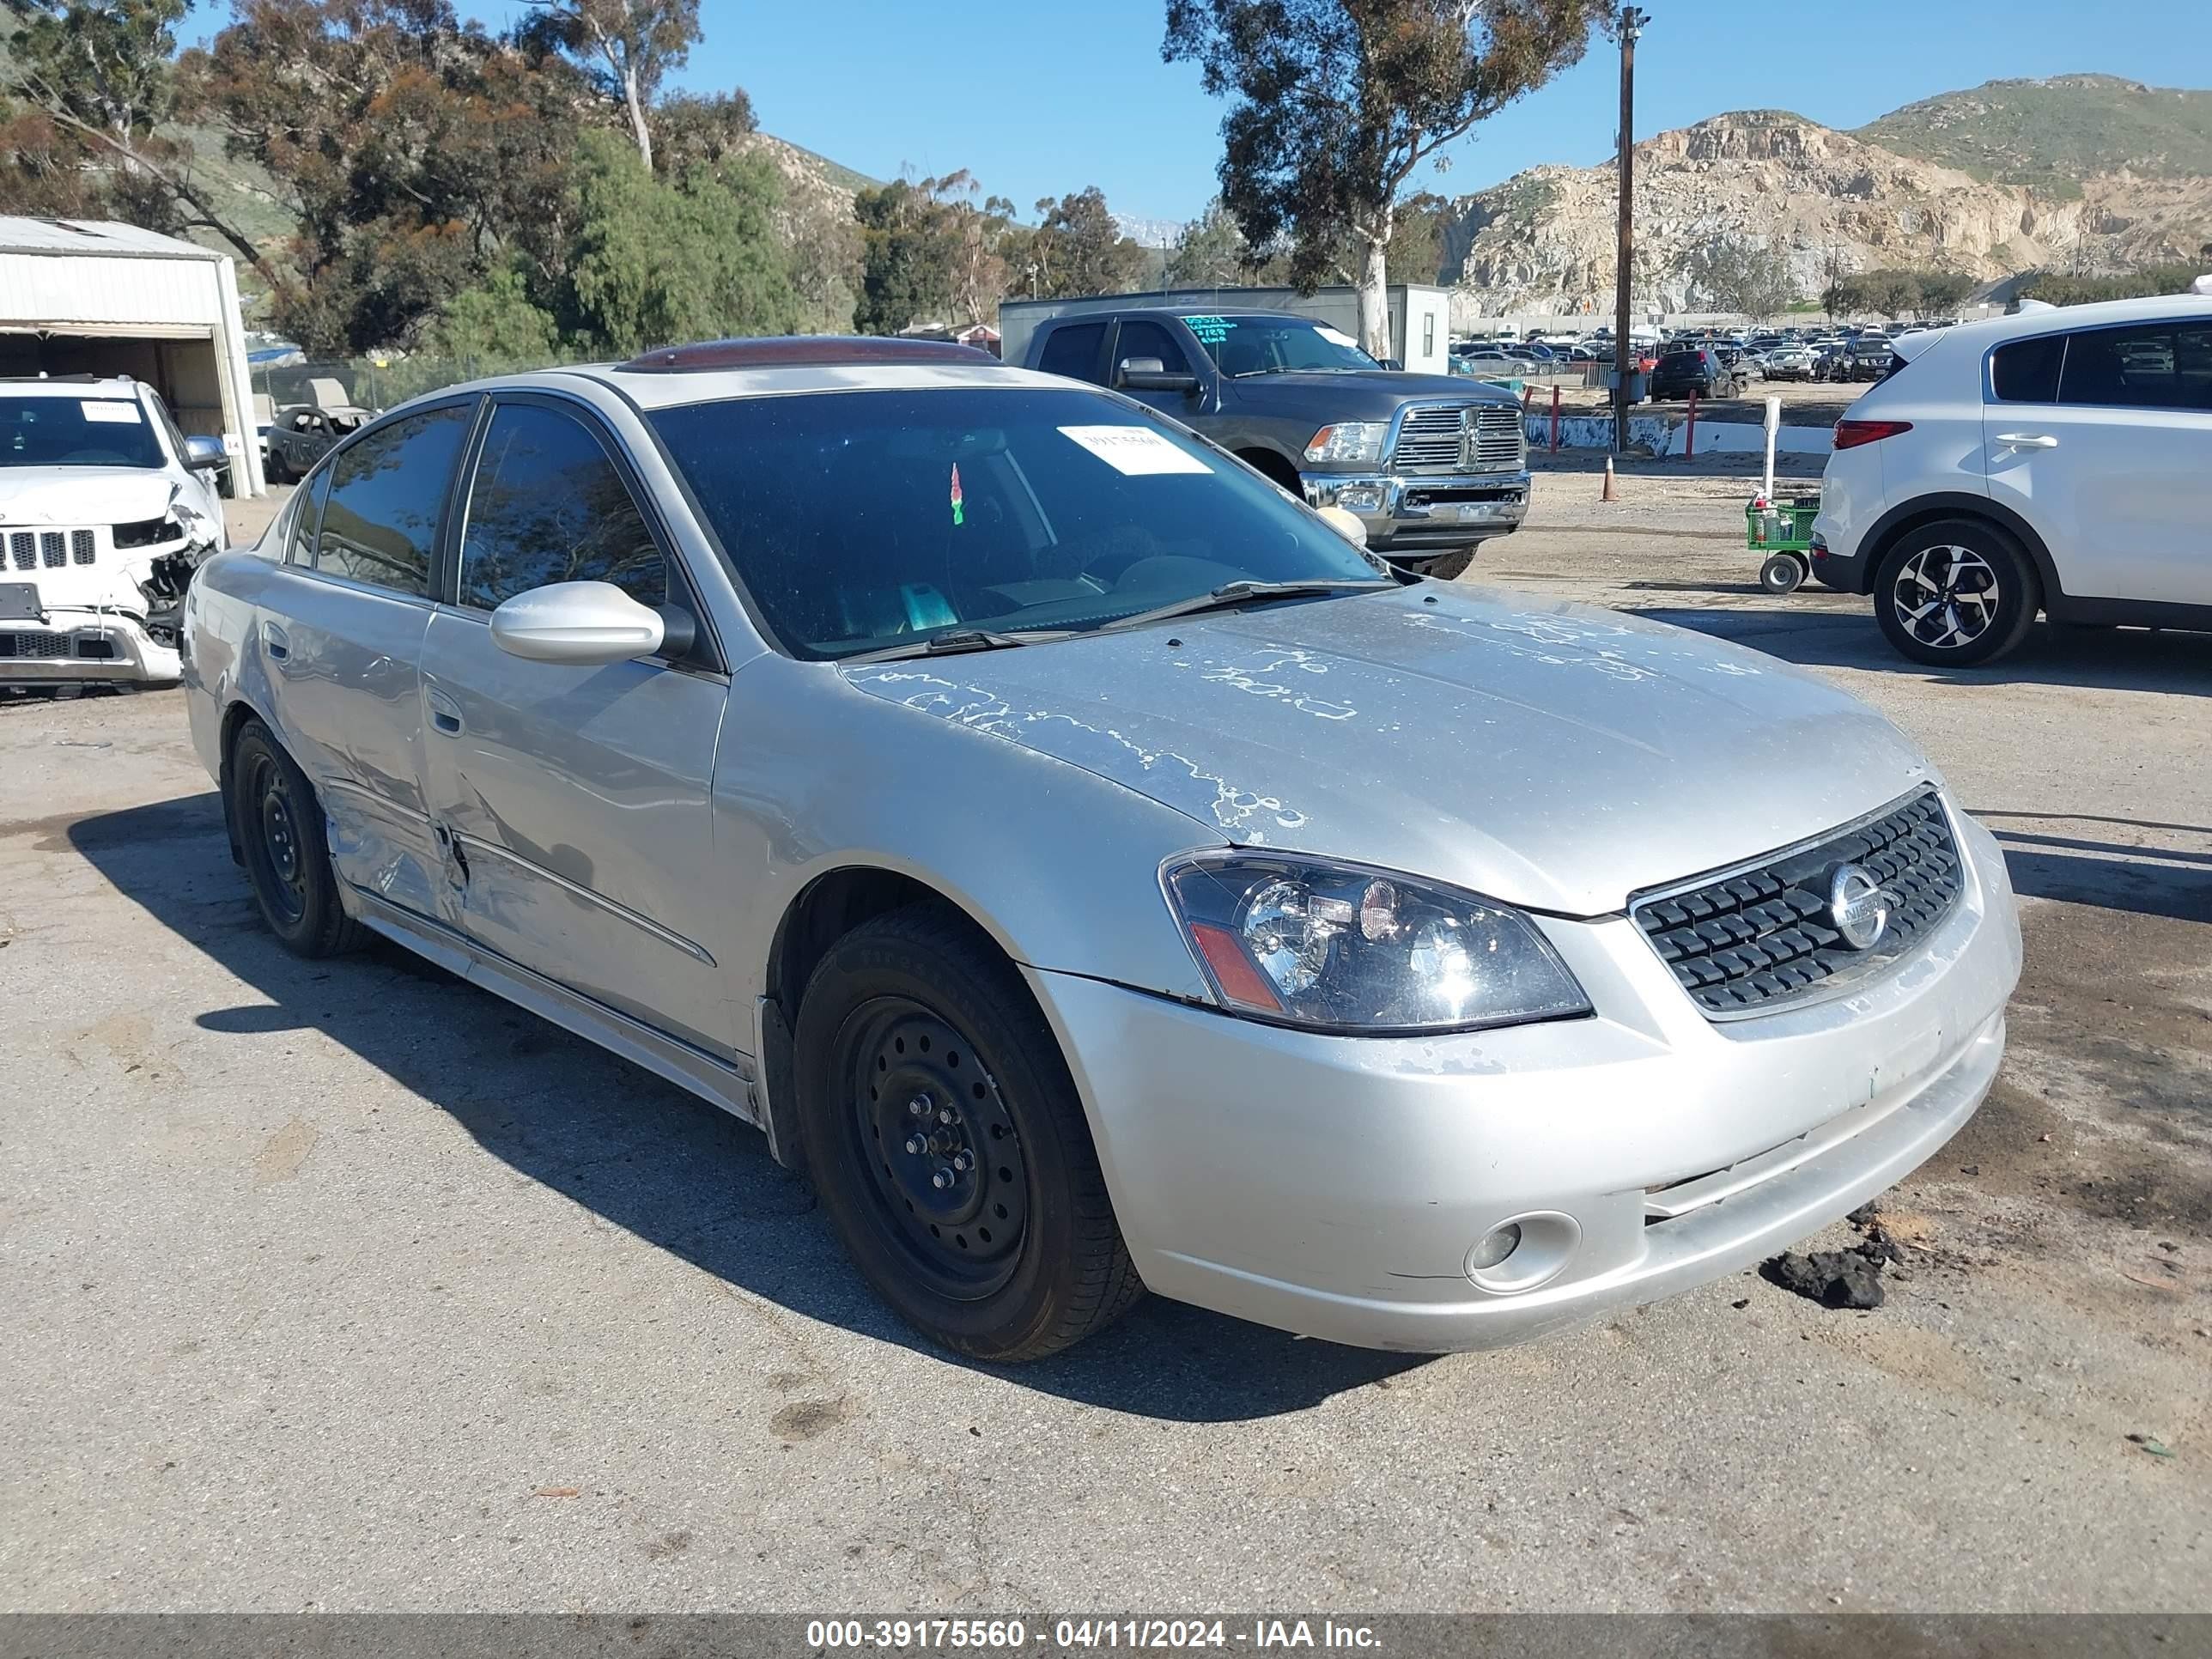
<point>1432,434</point>
<point>1750,938</point>
<point>49,550</point>
<point>1496,438</point>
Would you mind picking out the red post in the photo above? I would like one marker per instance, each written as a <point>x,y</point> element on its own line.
<point>1555,419</point>
<point>1689,438</point>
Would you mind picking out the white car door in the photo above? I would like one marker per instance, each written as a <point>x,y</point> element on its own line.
<point>2100,440</point>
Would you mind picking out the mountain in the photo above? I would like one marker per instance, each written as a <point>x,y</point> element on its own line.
<point>2136,191</point>
<point>1149,232</point>
<point>2052,134</point>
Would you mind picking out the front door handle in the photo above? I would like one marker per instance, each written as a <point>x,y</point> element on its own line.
<point>445,714</point>
<point>274,643</point>
<point>2027,440</point>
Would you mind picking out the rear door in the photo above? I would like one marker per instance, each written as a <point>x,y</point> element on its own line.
<point>575,802</point>
<point>2100,439</point>
<point>341,636</point>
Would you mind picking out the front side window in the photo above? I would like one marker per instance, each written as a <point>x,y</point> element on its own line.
<point>548,506</point>
<point>98,430</point>
<point>1148,339</point>
<point>1278,345</point>
<point>380,521</point>
<point>2155,365</point>
<point>864,520</point>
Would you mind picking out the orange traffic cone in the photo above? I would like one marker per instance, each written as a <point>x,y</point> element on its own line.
<point>1609,495</point>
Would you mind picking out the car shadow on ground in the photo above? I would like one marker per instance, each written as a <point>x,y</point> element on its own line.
<point>642,1153</point>
<point>2155,880</point>
<point>2109,658</point>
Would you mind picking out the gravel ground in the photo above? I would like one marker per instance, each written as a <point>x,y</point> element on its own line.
<point>345,1285</point>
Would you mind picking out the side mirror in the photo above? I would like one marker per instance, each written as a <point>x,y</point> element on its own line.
<point>584,624</point>
<point>1345,523</point>
<point>203,452</point>
<point>1151,374</point>
<point>1391,363</point>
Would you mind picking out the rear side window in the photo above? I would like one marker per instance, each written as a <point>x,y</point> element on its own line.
<point>300,545</point>
<point>2155,365</point>
<point>548,506</point>
<point>1073,351</point>
<point>2026,371</point>
<point>380,523</point>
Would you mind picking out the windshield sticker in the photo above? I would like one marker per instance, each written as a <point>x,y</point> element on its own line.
<point>958,499</point>
<point>1211,331</point>
<point>1335,338</point>
<point>1134,451</point>
<point>113,414</point>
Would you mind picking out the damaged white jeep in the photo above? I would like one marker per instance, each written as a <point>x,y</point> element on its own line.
<point>105,509</point>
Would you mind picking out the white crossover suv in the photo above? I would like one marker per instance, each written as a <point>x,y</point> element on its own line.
<point>105,509</point>
<point>2053,461</point>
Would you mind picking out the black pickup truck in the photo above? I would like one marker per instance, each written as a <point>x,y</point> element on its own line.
<point>1430,463</point>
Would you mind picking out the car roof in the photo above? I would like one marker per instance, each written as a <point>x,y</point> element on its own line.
<point>649,388</point>
<point>70,385</point>
<point>2065,320</point>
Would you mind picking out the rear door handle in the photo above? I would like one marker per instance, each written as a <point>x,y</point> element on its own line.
<point>2027,440</point>
<point>274,643</point>
<point>445,712</point>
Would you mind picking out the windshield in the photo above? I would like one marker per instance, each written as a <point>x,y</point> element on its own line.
<point>50,431</point>
<point>1276,345</point>
<point>859,520</point>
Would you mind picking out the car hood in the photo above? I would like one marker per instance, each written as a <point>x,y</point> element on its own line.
<point>1362,395</point>
<point>82,495</point>
<point>1554,756</point>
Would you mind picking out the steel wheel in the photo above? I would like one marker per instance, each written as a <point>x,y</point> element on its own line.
<point>1945,597</point>
<point>950,1187</point>
<point>275,819</point>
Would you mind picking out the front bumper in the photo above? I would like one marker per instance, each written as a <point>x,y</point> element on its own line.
<point>1424,514</point>
<point>77,647</point>
<point>1336,1187</point>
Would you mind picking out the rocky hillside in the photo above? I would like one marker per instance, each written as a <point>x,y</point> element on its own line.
<point>1820,199</point>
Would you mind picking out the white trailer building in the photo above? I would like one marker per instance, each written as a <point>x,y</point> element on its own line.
<point>87,297</point>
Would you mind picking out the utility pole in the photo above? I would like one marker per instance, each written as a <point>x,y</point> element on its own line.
<point>1631,24</point>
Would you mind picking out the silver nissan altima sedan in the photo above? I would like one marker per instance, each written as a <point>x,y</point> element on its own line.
<point>1094,871</point>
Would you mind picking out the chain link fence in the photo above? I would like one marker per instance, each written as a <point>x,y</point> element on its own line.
<point>375,383</point>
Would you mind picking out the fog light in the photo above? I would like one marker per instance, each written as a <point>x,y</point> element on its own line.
<point>1495,1247</point>
<point>1361,499</point>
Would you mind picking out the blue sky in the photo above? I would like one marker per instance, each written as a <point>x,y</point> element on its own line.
<point>1039,97</point>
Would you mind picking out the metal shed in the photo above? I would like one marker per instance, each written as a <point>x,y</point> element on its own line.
<point>85,297</point>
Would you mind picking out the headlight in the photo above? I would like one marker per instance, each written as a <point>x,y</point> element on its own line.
<point>1349,441</point>
<point>1333,947</point>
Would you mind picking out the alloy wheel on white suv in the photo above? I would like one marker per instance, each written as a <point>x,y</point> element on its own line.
<point>1955,592</point>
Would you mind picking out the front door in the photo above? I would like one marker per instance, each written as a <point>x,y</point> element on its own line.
<point>2111,469</point>
<point>1143,338</point>
<point>574,803</point>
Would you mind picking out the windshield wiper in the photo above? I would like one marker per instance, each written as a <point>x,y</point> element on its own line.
<point>959,640</point>
<point>1229,596</point>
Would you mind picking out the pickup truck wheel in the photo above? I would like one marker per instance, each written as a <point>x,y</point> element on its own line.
<point>1448,567</point>
<point>1956,592</point>
<point>277,823</point>
<point>944,1134</point>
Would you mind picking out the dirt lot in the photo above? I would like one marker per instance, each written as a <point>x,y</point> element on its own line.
<point>345,1285</point>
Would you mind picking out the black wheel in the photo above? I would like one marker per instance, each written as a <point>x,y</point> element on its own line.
<point>273,471</point>
<point>1448,567</point>
<point>942,1130</point>
<point>1956,592</point>
<point>277,823</point>
<point>1782,573</point>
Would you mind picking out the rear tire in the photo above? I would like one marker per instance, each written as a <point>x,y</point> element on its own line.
<point>981,1216</point>
<point>1956,592</point>
<point>277,822</point>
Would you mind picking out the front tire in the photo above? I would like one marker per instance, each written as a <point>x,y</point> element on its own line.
<point>1956,592</point>
<point>277,824</point>
<point>943,1132</point>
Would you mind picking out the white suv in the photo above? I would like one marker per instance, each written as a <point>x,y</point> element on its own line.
<point>105,509</point>
<point>2053,461</point>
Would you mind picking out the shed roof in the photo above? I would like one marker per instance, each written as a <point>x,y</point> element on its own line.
<point>101,238</point>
